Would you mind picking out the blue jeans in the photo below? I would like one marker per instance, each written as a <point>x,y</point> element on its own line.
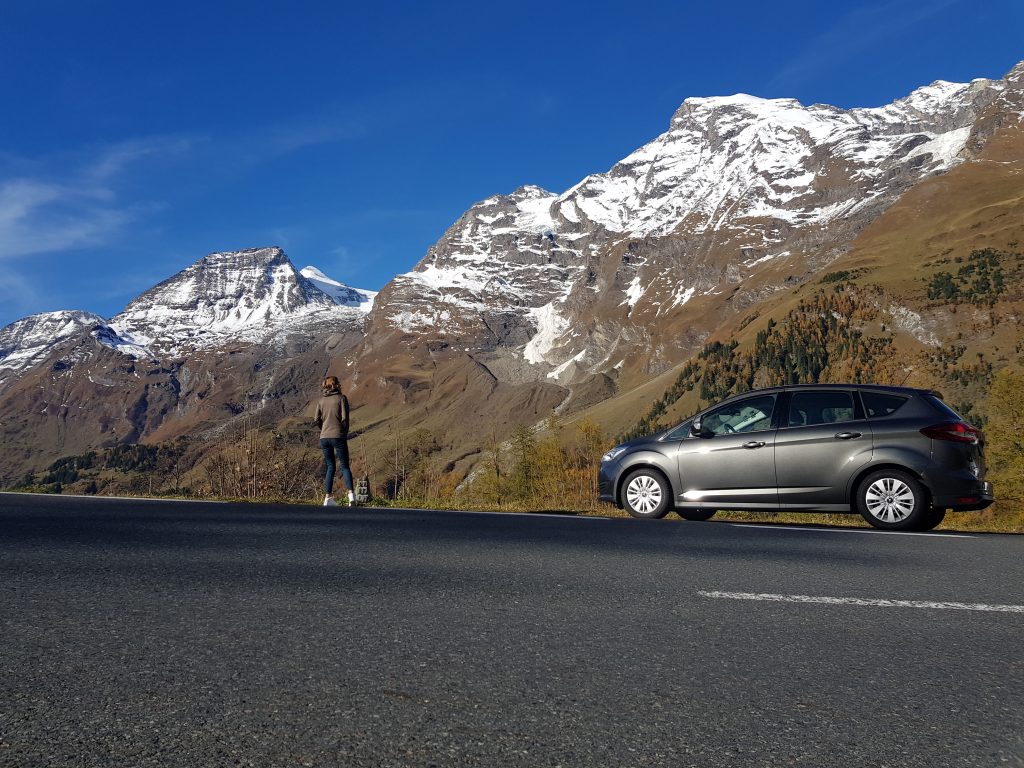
<point>335,446</point>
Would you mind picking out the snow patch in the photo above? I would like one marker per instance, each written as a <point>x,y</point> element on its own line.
<point>763,259</point>
<point>633,292</point>
<point>945,147</point>
<point>551,326</point>
<point>557,373</point>
<point>682,295</point>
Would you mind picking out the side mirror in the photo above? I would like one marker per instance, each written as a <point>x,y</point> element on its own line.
<point>697,429</point>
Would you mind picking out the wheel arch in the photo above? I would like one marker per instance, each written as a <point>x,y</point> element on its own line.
<point>859,478</point>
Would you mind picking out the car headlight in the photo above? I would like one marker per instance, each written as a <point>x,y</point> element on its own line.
<point>616,451</point>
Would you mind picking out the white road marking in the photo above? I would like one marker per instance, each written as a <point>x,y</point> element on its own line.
<point>872,531</point>
<point>557,516</point>
<point>880,603</point>
<point>112,498</point>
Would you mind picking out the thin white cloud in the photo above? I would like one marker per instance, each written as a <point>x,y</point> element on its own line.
<point>285,138</point>
<point>853,34</point>
<point>40,214</point>
<point>116,158</point>
<point>39,217</point>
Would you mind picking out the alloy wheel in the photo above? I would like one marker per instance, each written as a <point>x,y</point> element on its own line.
<point>643,494</point>
<point>890,500</point>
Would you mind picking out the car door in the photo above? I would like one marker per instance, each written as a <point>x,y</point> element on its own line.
<point>731,465</point>
<point>823,440</point>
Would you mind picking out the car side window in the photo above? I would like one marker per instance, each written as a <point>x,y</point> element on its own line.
<point>809,408</point>
<point>681,432</point>
<point>879,404</point>
<point>751,415</point>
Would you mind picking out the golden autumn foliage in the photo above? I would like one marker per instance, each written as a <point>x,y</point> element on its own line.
<point>1004,432</point>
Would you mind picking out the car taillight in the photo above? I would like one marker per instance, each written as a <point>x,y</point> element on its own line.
<point>953,431</point>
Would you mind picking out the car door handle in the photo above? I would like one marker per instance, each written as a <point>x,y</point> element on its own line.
<point>847,435</point>
<point>754,444</point>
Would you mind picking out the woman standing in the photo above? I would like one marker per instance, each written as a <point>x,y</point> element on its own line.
<point>332,418</point>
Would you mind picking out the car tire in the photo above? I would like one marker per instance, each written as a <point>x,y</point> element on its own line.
<point>893,500</point>
<point>646,494</point>
<point>697,515</point>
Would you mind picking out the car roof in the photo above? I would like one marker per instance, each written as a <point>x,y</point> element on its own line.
<point>837,385</point>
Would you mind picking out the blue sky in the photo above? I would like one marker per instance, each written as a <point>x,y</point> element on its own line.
<point>138,137</point>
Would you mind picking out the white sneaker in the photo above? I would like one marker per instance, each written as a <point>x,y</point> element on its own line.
<point>351,498</point>
<point>329,501</point>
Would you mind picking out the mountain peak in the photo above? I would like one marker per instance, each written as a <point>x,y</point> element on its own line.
<point>26,342</point>
<point>530,192</point>
<point>56,325</point>
<point>342,294</point>
<point>1016,75</point>
<point>226,295</point>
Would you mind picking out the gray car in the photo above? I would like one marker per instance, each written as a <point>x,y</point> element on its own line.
<point>900,457</point>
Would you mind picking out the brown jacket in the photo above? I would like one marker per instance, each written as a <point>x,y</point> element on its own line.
<point>332,415</point>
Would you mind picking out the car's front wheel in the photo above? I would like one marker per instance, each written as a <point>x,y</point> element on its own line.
<point>646,494</point>
<point>893,500</point>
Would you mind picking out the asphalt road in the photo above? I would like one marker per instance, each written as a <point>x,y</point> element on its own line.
<point>142,633</point>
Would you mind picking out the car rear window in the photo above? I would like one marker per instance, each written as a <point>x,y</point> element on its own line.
<point>809,408</point>
<point>940,405</point>
<point>882,404</point>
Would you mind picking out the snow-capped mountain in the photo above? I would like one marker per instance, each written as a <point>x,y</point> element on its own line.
<point>237,331</point>
<point>225,298</point>
<point>342,294</point>
<point>29,341</point>
<point>237,296</point>
<point>565,285</point>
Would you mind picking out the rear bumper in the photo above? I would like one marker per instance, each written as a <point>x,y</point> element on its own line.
<point>969,496</point>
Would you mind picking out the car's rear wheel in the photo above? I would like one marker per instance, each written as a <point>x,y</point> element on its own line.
<point>646,494</point>
<point>893,500</point>
<point>696,514</point>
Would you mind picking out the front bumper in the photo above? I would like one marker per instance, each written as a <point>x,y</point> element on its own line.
<point>607,477</point>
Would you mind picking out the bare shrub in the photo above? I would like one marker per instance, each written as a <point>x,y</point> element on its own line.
<point>257,464</point>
